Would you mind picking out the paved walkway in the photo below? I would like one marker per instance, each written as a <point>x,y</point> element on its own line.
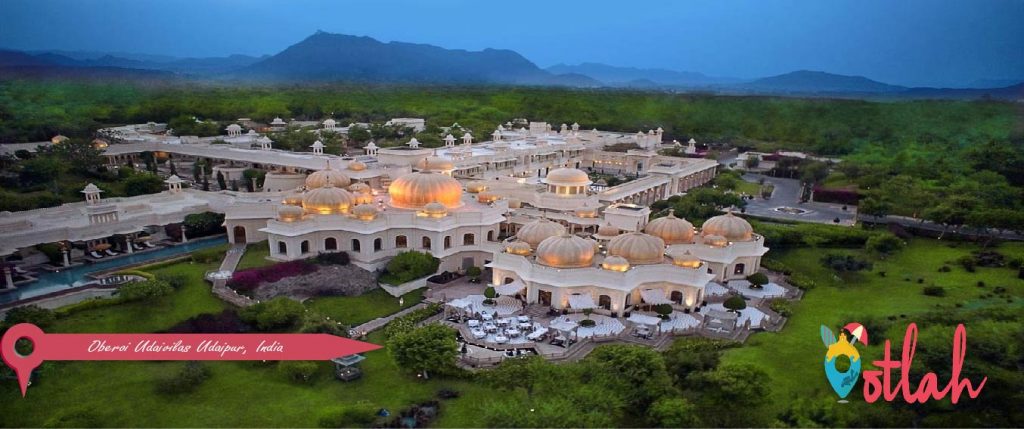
<point>787,194</point>
<point>220,286</point>
<point>379,322</point>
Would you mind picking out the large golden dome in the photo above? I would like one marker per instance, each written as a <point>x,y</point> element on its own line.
<point>321,178</point>
<point>535,232</point>
<point>327,200</point>
<point>638,248</point>
<point>518,248</point>
<point>435,163</point>
<point>733,228</point>
<point>415,190</point>
<point>566,251</point>
<point>567,177</point>
<point>293,198</point>
<point>356,166</point>
<point>671,229</point>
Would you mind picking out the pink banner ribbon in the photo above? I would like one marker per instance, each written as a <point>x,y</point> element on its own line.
<point>169,347</point>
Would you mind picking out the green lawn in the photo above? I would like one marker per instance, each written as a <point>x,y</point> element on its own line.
<point>239,394</point>
<point>353,310</point>
<point>793,358</point>
<point>255,256</point>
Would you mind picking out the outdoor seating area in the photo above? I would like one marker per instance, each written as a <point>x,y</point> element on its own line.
<point>503,330</point>
<point>755,316</point>
<point>769,290</point>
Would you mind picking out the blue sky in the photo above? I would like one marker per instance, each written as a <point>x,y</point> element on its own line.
<point>912,42</point>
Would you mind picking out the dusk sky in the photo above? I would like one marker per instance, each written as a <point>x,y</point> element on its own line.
<point>909,42</point>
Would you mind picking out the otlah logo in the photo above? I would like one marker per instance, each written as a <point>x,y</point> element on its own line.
<point>843,382</point>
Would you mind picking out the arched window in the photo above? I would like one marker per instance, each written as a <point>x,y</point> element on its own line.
<point>676,297</point>
<point>378,244</point>
<point>448,242</point>
<point>355,245</point>
<point>468,239</point>
<point>739,269</point>
<point>426,243</point>
<point>490,235</point>
<point>282,248</point>
<point>605,302</point>
<point>331,243</point>
<point>401,242</point>
<point>304,247</point>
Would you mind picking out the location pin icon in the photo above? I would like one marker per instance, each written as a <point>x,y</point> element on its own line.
<point>22,365</point>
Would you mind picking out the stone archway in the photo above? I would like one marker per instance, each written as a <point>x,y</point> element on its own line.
<point>238,234</point>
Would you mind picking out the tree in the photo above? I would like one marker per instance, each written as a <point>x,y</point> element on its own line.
<point>34,314</point>
<point>752,162</point>
<point>673,413</point>
<point>474,273</point>
<point>884,244</point>
<point>359,134</point>
<point>427,349</point>
<point>409,265</point>
<point>142,184</point>
<point>79,154</point>
<point>744,387</point>
<point>735,303</point>
<point>524,374</point>
<point>874,206</point>
<point>40,171</point>
<point>174,170</point>
<point>252,175</point>
<point>205,223</point>
<point>639,370</point>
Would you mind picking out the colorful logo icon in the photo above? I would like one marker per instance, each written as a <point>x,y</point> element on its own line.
<point>843,382</point>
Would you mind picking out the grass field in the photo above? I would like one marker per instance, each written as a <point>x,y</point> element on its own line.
<point>353,310</point>
<point>793,358</point>
<point>255,256</point>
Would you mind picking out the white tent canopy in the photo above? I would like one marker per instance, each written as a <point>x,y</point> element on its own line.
<point>581,301</point>
<point>563,325</point>
<point>643,319</point>
<point>537,334</point>
<point>654,296</point>
<point>510,288</point>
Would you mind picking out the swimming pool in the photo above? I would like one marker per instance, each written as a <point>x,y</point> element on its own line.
<point>50,282</point>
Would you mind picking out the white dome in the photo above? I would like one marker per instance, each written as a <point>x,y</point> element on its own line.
<point>733,228</point>
<point>566,251</point>
<point>365,212</point>
<point>356,166</point>
<point>638,248</point>
<point>535,232</point>
<point>476,187</point>
<point>608,231</point>
<point>359,188</point>
<point>686,259</point>
<point>294,198</point>
<point>567,177</point>
<point>487,197</point>
<point>289,213</point>
<point>435,210</point>
<point>435,163</point>
<point>327,200</point>
<point>671,229</point>
<point>415,190</point>
<point>615,263</point>
<point>518,248</point>
<point>321,178</point>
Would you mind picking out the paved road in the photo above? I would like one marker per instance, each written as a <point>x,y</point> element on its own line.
<point>787,194</point>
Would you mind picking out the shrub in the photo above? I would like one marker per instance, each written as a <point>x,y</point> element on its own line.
<point>332,258</point>
<point>208,256</point>
<point>884,243</point>
<point>945,269</point>
<point>144,290</point>
<point>202,224</point>
<point>845,263</point>
<point>775,265</point>
<point>298,371</point>
<point>801,281</point>
<point>191,376</point>
<point>781,306</point>
<point>247,280</point>
<point>32,313</point>
<point>409,321</point>
<point>52,252</point>
<point>934,291</point>
<point>663,309</point>
<point>358,414</point>
<point>175,280</point>
<point>446,393</point>
<point>735,303</point>
<point>278,313</point>
<point>408,266</point>
<point>225,322</point>
<point>474,273</point>
<point>587,323</point>
<point>967,262</point>
<point>490,293</point>
<point>757,279</point>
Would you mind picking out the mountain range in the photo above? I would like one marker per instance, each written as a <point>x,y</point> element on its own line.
<point>326,57</point>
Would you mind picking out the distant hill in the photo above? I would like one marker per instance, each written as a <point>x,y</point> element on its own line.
<point>338,57</point>
<point>805,81</point>
<point>639,77</point>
